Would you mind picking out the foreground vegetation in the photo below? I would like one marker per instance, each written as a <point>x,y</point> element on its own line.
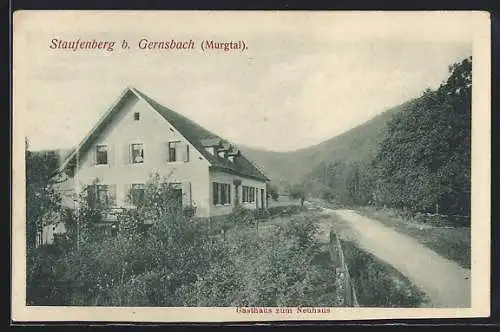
<point>422,164</point>
<point>180,261</point>
<point>377,283</point>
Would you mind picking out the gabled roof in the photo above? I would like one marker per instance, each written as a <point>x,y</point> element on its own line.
<point>194,133</point>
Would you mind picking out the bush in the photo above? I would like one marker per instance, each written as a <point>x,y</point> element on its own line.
<point>177,262</point>
<point>284,210</point>
<point>182,266</point>
<point>277,270</point>
<point>42,280</point>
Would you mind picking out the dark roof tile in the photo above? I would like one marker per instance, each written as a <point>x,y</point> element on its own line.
<point>200,137</point>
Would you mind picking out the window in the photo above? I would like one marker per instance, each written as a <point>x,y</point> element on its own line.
<point>136,116</point>
<point>221,193</point>
<point>101,195</point>
<point>137,194</point>
<point>172,194</point>
<point>137,153</point>
<point>106,195</point>
<point>248,194</point>
<point>101,155</point>
<point>178,151</point>
<point>172,151</point>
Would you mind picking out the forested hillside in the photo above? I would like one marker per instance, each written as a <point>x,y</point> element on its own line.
<point>423,159</point>
<point>424,162</point>
<point>414,157</point>
<point>359,143</point>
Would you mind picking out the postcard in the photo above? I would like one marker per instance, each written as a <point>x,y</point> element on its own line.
<point>250,166</point>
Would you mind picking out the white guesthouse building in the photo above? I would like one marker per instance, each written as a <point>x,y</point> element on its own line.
<point>137,137</point>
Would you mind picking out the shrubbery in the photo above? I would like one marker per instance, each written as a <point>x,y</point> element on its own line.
<point>176,261</point>
<point>275,270</point>
<point>284,210</point>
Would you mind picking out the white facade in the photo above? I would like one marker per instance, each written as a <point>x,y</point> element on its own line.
<point>250,203</point>
<point>137,122</point>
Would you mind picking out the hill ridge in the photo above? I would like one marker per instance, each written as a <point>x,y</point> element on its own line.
<point>290,167</point>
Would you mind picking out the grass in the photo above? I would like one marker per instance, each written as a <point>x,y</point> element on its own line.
<point>377,283</point>
<point>326,293</point>
<point>450,242</point>
<point>323,262</point>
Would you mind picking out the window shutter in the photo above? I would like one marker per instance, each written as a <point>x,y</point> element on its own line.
<point>186,155</point>
<point>229,194</point>
<point>127,194</point>
<point>112,194</point>
<point>186,193</point>
<point>214,192</point>
<point>166,152</point>
<point>179,151</point>
<point>126,154</point>
<point>223,195</point>
<point>111,154</point>
<point>219,193</point>
<point>91,196</point>
<point>93,156</point>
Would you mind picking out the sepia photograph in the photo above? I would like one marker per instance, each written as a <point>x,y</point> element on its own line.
<point>205,166</point>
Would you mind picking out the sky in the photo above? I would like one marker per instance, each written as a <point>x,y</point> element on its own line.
<point>305,77</point>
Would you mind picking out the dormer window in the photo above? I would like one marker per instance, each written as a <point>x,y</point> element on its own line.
<point>233,153</point>
<point>210,150</point>
<point>137,116</point>
<point>211,145</point>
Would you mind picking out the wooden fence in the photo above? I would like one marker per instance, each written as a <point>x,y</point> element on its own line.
<point>347,292</point>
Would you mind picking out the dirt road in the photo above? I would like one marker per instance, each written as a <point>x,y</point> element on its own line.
<point>444,282</point>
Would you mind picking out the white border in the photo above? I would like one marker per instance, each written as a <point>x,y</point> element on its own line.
<point>478,22</point>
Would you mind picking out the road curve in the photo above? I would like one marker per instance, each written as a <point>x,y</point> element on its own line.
<point>443,281</point>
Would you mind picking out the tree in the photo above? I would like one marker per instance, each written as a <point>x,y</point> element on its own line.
<point>424,161</point>
<point>274,270</point>
<point>272,191</point>
<point>299,192</point>
<point>359,184</point>
<point>160,257</point>
<point>42,199</point>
